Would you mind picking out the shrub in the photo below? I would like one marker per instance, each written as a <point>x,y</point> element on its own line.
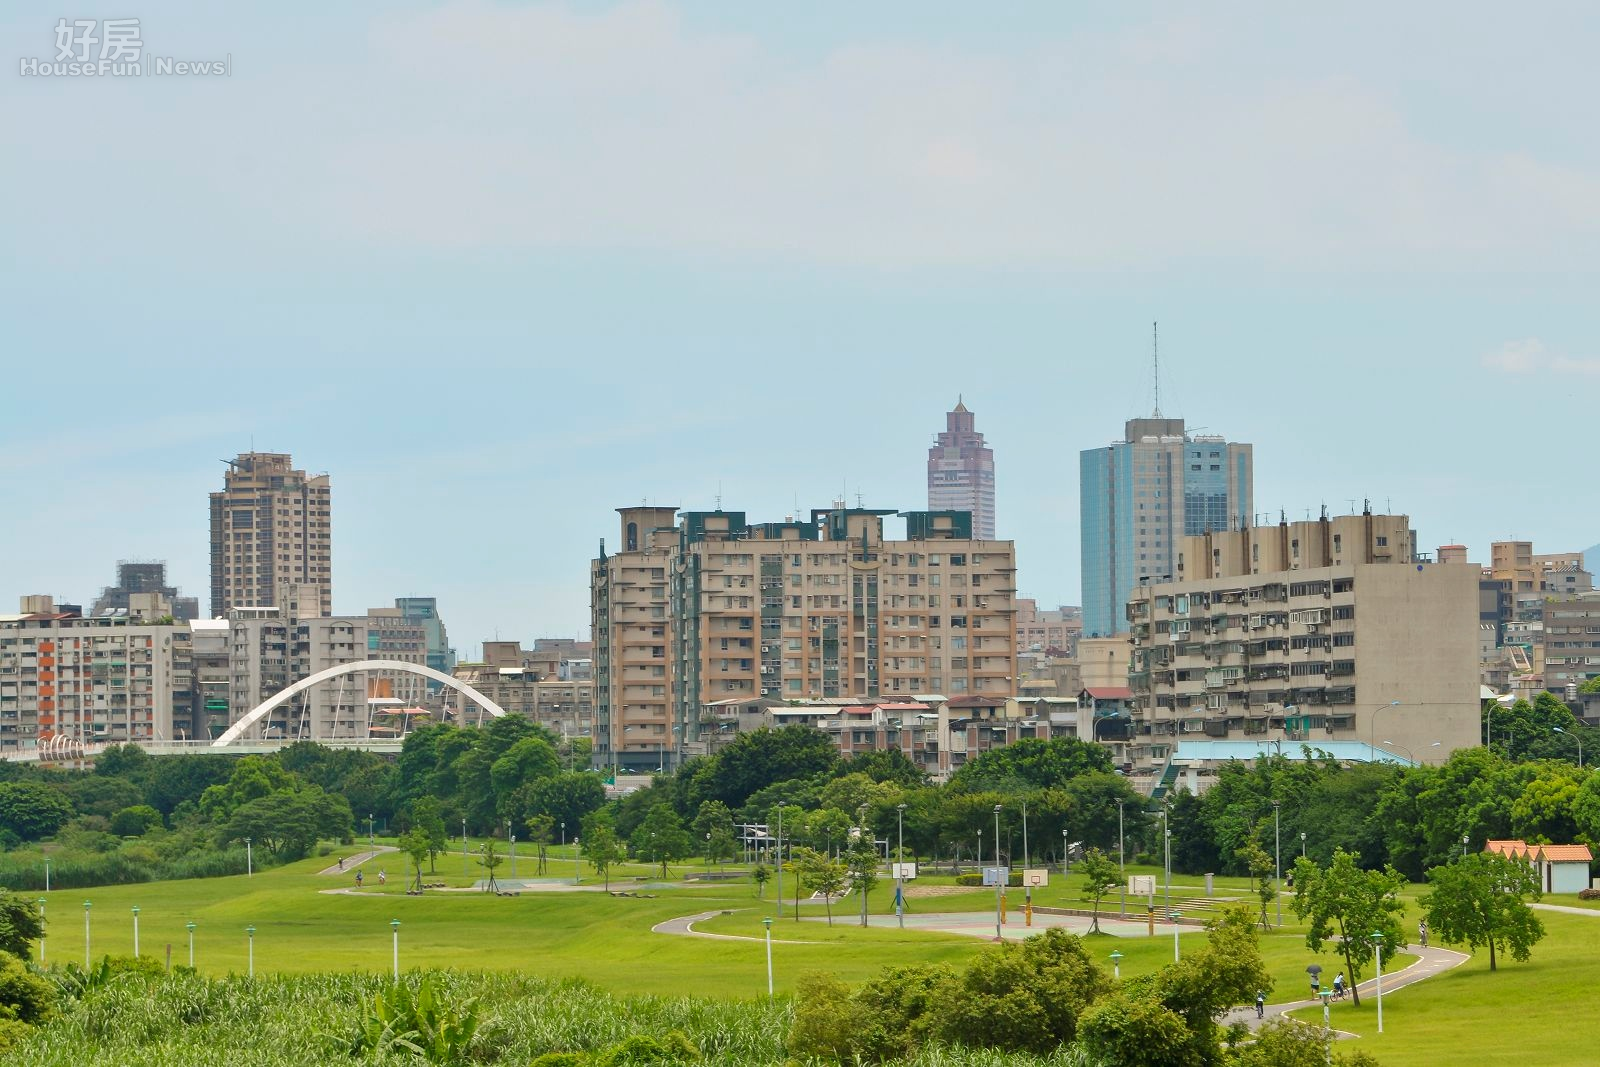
<point>24,996</point>
<point>1589,894</point>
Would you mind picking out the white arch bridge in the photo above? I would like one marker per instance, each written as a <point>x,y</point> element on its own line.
<point>316,727</point>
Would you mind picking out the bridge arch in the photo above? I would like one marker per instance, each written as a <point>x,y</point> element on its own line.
<point>257,713</point>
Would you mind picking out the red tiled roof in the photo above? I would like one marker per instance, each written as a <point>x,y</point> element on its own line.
<point>903,707</point>
<point>1116,692</point>
<point>1566,853</point>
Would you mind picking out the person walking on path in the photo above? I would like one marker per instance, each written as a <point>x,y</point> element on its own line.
<point>1422,933</point>
<point>383,879</point>
<point>1261,1005</point>
<point>358,878</point>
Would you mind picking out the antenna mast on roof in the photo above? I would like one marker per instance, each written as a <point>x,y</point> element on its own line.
<point>1155,359</point>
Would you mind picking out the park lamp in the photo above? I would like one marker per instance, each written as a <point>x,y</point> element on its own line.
<point>1116,965</point>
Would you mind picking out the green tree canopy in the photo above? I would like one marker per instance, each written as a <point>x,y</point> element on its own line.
<point>1482,899</point>
<point>1031,763</point>
<point>32,811</point>
<point>1351,905</point>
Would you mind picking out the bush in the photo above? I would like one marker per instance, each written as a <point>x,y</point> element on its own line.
<point>1589,894</point>
<point>135,821</point>
<point>24,996</point>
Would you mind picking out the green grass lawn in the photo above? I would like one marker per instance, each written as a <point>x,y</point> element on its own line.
<point>608,940</point>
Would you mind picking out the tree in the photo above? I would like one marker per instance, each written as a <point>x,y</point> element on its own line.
<point>1100,874</point>
<point>428,816</point>
<point>489,857</point>
<point>861,863</point>
<point>288,822</point>
<point>1345,901</point>
<point>414,843</point>
<point>1031,763</point>
<point>755,760</point>
<point>1481,899</point>
<point>20,925</point>
<point>541,828</point>
<point>661,837</point>
<point>565,797</point>
<point>135,821</point>
<point>1259,864</point>
<point>602,849</point>
<point>32,811</point>
<point>720,846</point>
<point>761,874</point>
<point>820,873</point>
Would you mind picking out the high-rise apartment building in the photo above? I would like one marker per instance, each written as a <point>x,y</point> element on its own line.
<point>1328,633</point>
<point>135,578</point>
<point>961,472</point>
<point>113,678</point>
<point>424,611</point>
<point>705,606</point>
<point>270,525</point>
<point>1138,496</point>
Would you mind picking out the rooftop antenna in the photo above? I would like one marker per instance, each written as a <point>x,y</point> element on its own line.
<point>719,496</point>
<point>1155,360</point>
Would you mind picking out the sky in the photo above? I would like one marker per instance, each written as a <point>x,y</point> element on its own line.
<point>501,268</point>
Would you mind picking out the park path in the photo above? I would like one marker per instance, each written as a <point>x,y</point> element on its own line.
<point>1429,963</point>
<point>1563,909</point>
<point>352,862</point>
<point>683,926</point>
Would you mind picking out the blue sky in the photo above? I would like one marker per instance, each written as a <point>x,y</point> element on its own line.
<point>519,264</point>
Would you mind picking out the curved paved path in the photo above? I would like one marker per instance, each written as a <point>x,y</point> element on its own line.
<point>1563,909</point>
<point>683,926</point>
<point>1429,962</point>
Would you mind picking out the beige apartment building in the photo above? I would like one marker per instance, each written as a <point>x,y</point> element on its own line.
<point>1326,633</point>
<point>107,679</point>
<point>1055,630</point>
<point>704,606</point>
<point>565,708</point>
<point>270,525</point>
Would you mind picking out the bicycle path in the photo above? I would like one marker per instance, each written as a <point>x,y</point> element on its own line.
<point>683,926</point>
<point>1429,963</point>
<point>352,862</point>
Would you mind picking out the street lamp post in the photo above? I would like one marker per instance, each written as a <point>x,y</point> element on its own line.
<point>767,922</point>
<point>250,949</point>
<point>1377,944</point>
<point>464,871</point>
<point>1063,852</point>
<point>899,858</point>
<point>41,931</point>
<point>136,931</point>
<point>999,876</point>
<point>777,862</point>
<point>513,838</point>
<point>47,876</point>
<point>1372,726</point>
<point>861,828</point>
<point>1576,738</point>
<point>1172,916</point>
<point>86,935</point>
<point>1302,844</point>
<point>189,926</point>
<point>1166,837</point>
<point>1464,846</point>
<point>1277,863</point>
<point>249,859</point>
<point>1116,966</point>
<point>577,860</point>
<point>1122,864</point>
<point>1327,1029</point>
<point>1027,892</point>
<point>372,840</point>
<point>394,925</point>
<point>708,852</point>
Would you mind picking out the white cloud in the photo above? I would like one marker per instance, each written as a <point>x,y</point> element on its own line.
<point>1531,356</point>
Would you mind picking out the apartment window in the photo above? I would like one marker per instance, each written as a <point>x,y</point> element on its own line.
<point>1383,542</point>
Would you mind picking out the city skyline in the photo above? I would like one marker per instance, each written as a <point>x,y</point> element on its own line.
<point>493,309</point>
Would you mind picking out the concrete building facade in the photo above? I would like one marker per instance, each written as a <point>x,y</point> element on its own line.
<point>1139,496</point>
<point>961,472</point>
<point>108,679</point>
<point>1326,633</point>
<point>707,606</point>
<point>270,525</point>
<point>134,578</point>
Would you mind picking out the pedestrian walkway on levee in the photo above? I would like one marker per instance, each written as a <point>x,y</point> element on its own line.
<point>1430,962</point>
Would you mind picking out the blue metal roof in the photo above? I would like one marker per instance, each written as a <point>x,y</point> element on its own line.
<point>1344,751</point>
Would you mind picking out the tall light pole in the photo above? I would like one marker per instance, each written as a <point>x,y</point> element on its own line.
<point>1302,844</point>
<point>86,935</point>
<point>394,925</point>
<point>1063,852</point>
<point>1122,863</point>
<point>250,933</point>
<point>1576,738</point>
<point>1372,726</point>
<point>41,931</point>
<point>47,875</point>
<point>189,926</point>
<point>1277,863</point>
<point>1166,837</point>
<point>136,931</point>
<point>249,860</point>
<point>1377,944</point>
<point>861,828</point>
<point>464,871</point>
<point>1327,1030</point>
<point>777,862</point>
<point>1173,917</point>
<point>1116,966</point>
<point>767,922</point>
<point>372,840</point>
<point>1027,892</point>
<point>999,876</point>
<point>513,838</point>
<point>899,858</point>
<point>577,859</point>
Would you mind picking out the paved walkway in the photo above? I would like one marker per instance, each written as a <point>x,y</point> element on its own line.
<point>683,926</point>
<point>352,862</point>
<point>1563,909</point>
<point>1429,962</point>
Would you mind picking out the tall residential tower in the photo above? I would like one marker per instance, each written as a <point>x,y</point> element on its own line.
<point>961,472</point>
<point>1138,496</point>
<point>270,526</point>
